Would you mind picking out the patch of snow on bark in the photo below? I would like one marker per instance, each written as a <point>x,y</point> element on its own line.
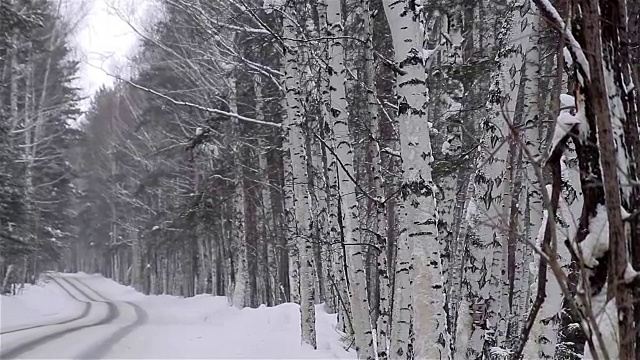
<point>472,211</point>
<point>567,56</point>
<point>618,116</point>
<point>564,123</point>
<point>629,273</point>
<point>624,213</point>
<point>427,53</point>
<point>567,100</point>
<point>445,148</point>
<point>597,241</point>
<point>535,261</point>
<point>583,127</point>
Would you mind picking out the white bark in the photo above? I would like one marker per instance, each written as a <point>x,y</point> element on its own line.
<point>494,185</point>
<point>419,218</point>
<point>136,263</point>
<point>400,341</point>
<point>455,189</point>
<point>339,283</point>
<point>377,185</point>
<point>529,202</point>
<point>239,232</point>
<point>543,334</point>
<point>289,216</point>
<point>267,219</point>
<point>337,250</point>
<point>295,121</point>
<point>349,205</point>
<point>319,210</point>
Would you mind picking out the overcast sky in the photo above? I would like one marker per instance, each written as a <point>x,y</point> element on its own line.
<point>104,40</point>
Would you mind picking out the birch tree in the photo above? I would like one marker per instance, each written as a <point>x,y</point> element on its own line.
<point>348,202</point>
<point>294,126</point>
<point>418,235</point>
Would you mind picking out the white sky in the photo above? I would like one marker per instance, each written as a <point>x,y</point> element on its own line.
<point>104,41</point>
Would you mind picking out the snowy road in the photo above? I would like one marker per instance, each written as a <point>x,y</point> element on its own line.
<point>81,316</point>
<point>89,334</point>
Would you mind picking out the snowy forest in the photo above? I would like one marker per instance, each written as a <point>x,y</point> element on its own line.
<point>455,179</point>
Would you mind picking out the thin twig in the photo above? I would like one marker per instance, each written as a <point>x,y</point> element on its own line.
<point>376,200</point>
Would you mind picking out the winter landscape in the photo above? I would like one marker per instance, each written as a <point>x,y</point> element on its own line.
<point>122,323</point>
<point>320,179</point>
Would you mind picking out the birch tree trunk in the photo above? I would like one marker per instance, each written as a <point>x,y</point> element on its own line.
<point>377,186</point>
<point>452,187</point>
<point>340,284</point>
<point>304,230</point>
<point>526,206</point>
<point>289,221</point>
<point>349,204</point>
<point>319,207</point>
<point>419,218</point>
<point>136,262</point>
<point>267,218</point>
<point>239,232</point>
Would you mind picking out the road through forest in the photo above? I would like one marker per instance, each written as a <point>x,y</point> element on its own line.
<point>83,316</point>
<point>87,335</point>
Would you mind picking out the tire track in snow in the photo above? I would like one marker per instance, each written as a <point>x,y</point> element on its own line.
<point>99,351</point>
<point>112,314</point>
<point>83,314</point>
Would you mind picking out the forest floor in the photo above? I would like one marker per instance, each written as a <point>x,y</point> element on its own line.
<point>80,316</point>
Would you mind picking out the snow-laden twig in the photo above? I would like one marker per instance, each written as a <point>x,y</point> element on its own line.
<point>567,122</point>
<point>551,13</point>
<point>390,151</point>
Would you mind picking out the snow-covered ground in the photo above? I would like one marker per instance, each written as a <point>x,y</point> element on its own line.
<point>155,327</point>
<point>37,305</point>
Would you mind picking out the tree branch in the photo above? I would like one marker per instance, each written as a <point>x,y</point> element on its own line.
<point>196,106</point>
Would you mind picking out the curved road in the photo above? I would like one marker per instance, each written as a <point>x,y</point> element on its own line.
<point>89,335</point>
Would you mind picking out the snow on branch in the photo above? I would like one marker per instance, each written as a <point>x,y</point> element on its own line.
<point>564,123</point>
<point>390,151</point>
<point>551,13</point>
<point>568,122</point>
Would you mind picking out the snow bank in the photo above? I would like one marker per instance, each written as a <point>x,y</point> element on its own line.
<point>43,303</point>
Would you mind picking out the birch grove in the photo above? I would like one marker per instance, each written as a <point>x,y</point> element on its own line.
<point>450,179</point>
